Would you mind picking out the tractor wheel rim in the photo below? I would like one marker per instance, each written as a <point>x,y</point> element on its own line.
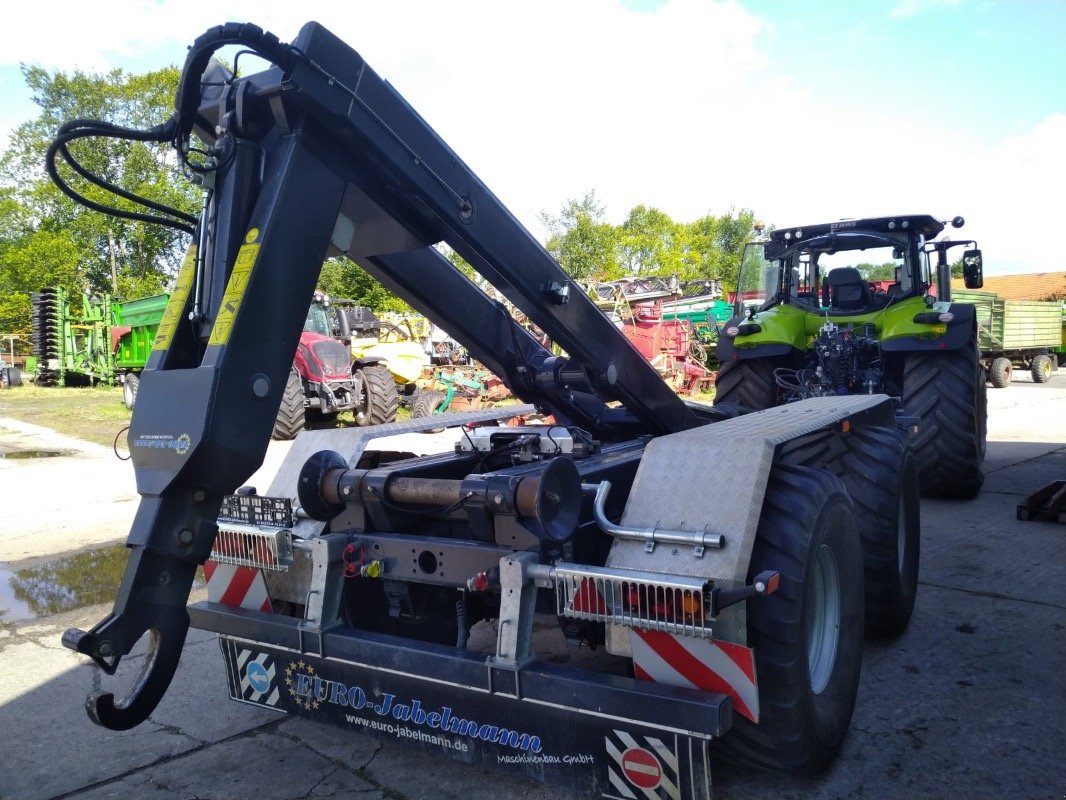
<point>823,619</point>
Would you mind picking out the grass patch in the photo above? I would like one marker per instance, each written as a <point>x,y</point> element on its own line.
<point>95,414</point>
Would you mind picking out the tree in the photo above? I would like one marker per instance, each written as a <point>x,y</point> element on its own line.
<point>715,246</point>
<point>583,243</point>
<point>48,239</point>
<point>343,278</point>
<point>652,243</point>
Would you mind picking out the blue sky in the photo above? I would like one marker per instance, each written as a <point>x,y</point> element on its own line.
<point>800,110</point>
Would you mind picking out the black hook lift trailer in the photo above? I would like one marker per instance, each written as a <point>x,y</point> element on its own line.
<point>709,559</point>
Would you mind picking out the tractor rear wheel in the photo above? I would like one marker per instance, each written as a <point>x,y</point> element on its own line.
<point>130,384</point>
<point>999,373</point>
<point>291,419</point>
<point>1042,368</point>
<point>378,399</point>
<point>947,392</point>
<point>747,383</point>
<point>808,635</point>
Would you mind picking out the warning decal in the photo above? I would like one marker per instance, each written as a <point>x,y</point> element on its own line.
<point>642,767</point>
<point>238,281</point>
<point>172,313</point>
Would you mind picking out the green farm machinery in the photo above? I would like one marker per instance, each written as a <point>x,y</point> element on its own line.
<point>93,339</point>
<point>1016,333</point>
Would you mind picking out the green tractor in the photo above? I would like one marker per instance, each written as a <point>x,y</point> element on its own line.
<point>862,306</point>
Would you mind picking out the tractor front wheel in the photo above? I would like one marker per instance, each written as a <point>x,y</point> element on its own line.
<point>291,418</point>
<point>808,635</point>
<point>747,383</point>
<point>378,398</point>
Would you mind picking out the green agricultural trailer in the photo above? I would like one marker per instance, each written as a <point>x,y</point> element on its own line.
<point>1016,333</point>
<point>80,341</point>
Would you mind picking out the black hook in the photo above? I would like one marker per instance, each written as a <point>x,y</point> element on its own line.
<point>153,602</point>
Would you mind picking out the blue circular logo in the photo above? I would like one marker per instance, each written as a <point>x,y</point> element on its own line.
<point>257,677</point>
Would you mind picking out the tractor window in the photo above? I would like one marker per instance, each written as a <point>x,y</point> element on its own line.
<point>883,269</point>
<point>317,321</point>
<point>758,280</point>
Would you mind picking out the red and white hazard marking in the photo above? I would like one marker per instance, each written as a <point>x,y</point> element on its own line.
<point>699,663</point>
<point>642,768</point>
<point>239,587</point>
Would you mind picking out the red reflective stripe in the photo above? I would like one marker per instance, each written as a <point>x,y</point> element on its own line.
<point>694,670</point>
<point>741,656</point>
<point>209,569</point>
<point>238,587</point>
<point>640,673</point>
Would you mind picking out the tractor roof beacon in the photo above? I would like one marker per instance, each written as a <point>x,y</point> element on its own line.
<point>365,570</point>
<point>863,306</point>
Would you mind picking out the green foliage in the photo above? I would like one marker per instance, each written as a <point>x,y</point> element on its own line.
<point>584,244</point>
<point>48,239</point>
<point>649,242</point>
<point>343,278</point>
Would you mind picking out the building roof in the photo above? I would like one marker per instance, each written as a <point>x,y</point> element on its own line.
<point>1034,286</point>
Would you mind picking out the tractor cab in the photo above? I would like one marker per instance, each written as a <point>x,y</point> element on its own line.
<point>849,267</point>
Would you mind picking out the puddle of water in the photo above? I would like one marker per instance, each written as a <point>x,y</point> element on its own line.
<point>27,454</point>
<point>64,584</point>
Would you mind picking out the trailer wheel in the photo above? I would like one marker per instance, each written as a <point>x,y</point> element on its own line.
<point>747,383</point>
<point>947,392</point>
<point>882,481</point>
<point>130,384</point>
<point>999,373</point>
<point>808,635</point>
<point>378,399</point>
<point>291,419</point>
<point>1042,368</point>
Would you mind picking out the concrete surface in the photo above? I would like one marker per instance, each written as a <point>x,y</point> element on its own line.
<point>970,702</point>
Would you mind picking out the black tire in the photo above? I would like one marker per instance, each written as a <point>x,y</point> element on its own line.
<point>291,418</point>
<point>1042,368</point>
<point>947,392</point>
<point>882,481</point>
<point>130,386</point>
<point>429,403</point>
<point>806,693</point>
<point>378,398</point>
<point>747,383</point>
<point>1000,372</point>
<point>877,468</point>
<point>12,377</point>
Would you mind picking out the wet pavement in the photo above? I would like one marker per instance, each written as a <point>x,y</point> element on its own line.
<point>969,702</point>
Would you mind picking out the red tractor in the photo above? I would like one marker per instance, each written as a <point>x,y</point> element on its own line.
<point>325,380</point>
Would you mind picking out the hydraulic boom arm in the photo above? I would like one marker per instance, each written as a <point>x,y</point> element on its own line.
<point>319,156</point>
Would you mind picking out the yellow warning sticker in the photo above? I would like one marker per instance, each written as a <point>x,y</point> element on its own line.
<point>172,313</point>
<point>231,302</point>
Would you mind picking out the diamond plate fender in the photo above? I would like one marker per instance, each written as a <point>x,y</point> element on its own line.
<point>714,478</point>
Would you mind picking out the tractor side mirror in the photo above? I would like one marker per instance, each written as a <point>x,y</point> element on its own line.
<point>972,269</point>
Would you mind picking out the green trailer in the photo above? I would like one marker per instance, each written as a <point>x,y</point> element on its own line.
<point>1026,334</point>
<point>132,334</point>
<point>86,340</point>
